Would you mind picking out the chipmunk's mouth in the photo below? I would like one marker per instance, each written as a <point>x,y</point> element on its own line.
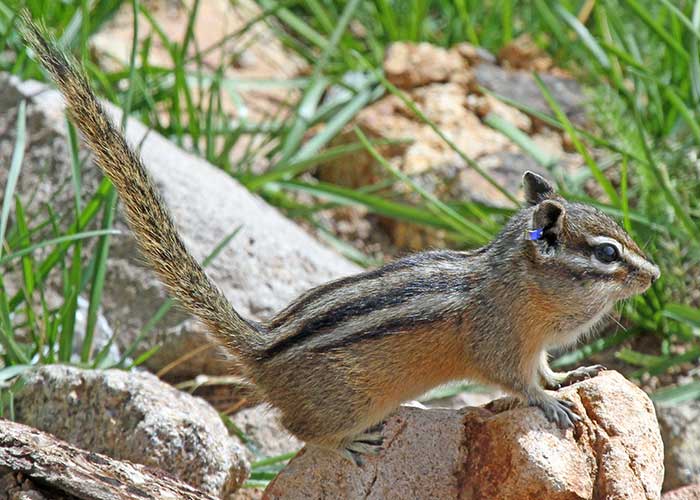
<point>639,281</point>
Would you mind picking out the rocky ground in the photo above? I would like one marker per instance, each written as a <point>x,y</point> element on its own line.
<point>110,420</point>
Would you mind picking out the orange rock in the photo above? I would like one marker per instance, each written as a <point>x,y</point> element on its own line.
<point>523,53</point>
<point>691,492</point>
<point>615,452</point>
<point>409,65</point>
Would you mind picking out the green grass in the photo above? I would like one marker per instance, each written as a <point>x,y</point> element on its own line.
<point>639,61</point>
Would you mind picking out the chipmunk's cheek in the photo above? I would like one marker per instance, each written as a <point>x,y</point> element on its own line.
<point>637,282</point>
<point>623,286</point>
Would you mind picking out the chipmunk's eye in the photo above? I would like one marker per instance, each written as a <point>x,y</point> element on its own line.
<point>606,253</point>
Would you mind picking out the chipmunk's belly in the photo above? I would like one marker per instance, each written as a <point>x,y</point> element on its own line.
<point>407,369</point>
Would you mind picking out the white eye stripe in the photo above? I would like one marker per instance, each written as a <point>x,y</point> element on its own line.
<point>599,240</point>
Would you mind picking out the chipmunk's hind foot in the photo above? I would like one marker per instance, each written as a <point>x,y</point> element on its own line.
<point>367,443</point>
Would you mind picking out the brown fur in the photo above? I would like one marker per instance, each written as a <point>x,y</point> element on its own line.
<point>344,355</point>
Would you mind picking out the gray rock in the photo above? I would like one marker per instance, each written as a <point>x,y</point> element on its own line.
<point>256,272</point>
<point>680,431</point>
<point>101,335</point>
<point>136,417</point>
<point>521,87</point>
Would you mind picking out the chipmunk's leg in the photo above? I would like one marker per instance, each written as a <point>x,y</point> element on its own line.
<point>550,379</point>
<point>555,380</point>
<point>527,384</point>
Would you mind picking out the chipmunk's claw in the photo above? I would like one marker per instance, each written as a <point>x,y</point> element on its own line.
<point>558,411</point>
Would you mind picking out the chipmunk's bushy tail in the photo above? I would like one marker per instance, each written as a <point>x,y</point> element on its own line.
<point>147,215</point>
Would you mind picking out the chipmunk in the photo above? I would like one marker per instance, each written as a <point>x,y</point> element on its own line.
<point>344,355</point>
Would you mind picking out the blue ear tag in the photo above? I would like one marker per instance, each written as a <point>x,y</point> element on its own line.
<point>535,234</point>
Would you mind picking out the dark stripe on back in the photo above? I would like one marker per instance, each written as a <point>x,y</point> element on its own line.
<point>381,299</point>
<point>296,309</point>
<point>392,326</point>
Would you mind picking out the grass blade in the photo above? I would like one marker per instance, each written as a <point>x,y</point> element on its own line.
<point>683,313</point>
<point>578,144</point>
<point>685,113</point>
<point>98,277</point>
<point>694,56</point>
<point>588,40</point>
<point>13,174</point>
<point>75,164</point>
<point>668,39</point>
<point>374,204</point>
<point>293,169</point>
<point>680,212</point>
<point>61,240</point>
<point>335,125</point>
<point>521,139</point>
<point>676,395</point>
<point>27,268</point>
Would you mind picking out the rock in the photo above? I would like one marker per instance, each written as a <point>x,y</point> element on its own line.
<point>691,492</point>
<point>101,336</point>
<point>135,417</point>
<point>267,437</point>
<point>248,494</point>
<point>409,65</point>
<point>615,452</point>
<point>35,465</point>
<point>475,55</point>
<point>680,430</point>
<point>523,53</point>
<point>520,86</point>
<point>256,273</point>
<point>486,104</point>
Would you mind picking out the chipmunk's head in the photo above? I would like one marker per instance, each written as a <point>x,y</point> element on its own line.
<point>578,245</point>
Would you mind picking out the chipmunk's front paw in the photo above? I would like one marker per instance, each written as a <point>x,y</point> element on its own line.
<point>557,410</point>
<point>582,373</point>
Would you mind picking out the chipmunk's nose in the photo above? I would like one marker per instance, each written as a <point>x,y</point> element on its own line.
<point>655,273</point>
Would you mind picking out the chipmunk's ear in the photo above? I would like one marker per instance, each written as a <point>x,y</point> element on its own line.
<point>537,188</point>
<point>548,222</point>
